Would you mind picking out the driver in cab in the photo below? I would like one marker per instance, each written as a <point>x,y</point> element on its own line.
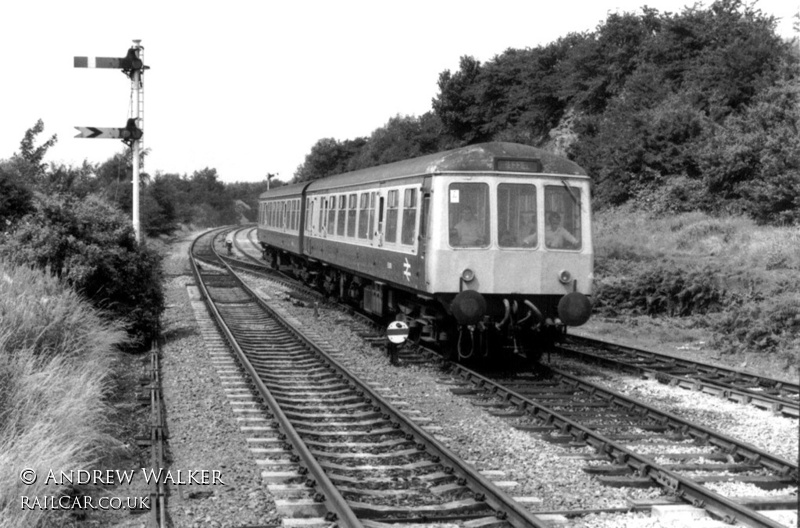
<point>467,230</point>
<point>555,236</point>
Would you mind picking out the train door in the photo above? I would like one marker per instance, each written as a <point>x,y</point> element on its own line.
<point>381,223</point>
<point>424,217</point>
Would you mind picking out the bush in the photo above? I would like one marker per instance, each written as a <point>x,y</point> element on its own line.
<point>16,200</point>
<point>91,246</point>
<point>771,325</point>
<point>656,288</point>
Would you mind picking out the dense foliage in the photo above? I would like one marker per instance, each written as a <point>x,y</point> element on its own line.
<point>401,138</point>
<point>91,247</point>
<point>52,220</point>
<point>699,106</point>
<point>697,110</point>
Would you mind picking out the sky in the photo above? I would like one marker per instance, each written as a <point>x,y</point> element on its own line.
<point>248,87</point>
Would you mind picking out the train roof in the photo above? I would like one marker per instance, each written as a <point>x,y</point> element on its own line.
<point>294,189</point>
<point>479,157</point>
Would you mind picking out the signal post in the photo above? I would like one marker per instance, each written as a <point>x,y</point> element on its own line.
<point>132,66</point>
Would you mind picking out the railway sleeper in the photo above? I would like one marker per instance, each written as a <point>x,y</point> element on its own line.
<point>623,469</point>
<point>454,508</point>
<point>406,470</point>
<point>765,482</point>
<point>363,481</point>
<point>771,502</point>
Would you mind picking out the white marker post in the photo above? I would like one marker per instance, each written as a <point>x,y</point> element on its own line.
<point>397,333</point>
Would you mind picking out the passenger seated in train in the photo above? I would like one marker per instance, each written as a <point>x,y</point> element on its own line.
<point>467,230</point>
<point>527,235</point>
<point>555,235</point>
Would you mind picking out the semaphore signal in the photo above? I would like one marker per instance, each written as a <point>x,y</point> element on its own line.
<point>133,66</point>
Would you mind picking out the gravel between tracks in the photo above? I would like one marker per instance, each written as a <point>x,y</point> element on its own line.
<point>202,431</point>
<point>539,468</point>
<point>203,434</point>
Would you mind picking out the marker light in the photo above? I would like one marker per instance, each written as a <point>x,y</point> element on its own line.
<point>467,275</point>
<point>564,276</point>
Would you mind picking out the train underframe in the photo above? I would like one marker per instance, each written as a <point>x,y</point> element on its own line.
<point>467,327</point>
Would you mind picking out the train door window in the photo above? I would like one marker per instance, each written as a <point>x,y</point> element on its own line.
<point>291,215</point>
<point>331,215</point>
<point>468,214</point>
<point>409,230</point>
<point>322,217</point>
<point>392,209</point>
<point>284,215</point>
<point>371,227</point>
<point>340,219</point>
<point>309,214</point>
<point>516,215</point>
<point>562,211</point>
<point>363,215</point>
<point>352,210</point>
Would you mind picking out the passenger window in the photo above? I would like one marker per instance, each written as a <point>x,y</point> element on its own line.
<point>468,213</point>
<point>371,228</point>
<point>351,216</point>
<point>409,217</point>
<point>331,215</point>
<point>391,216</point>
<point>363,215</point>
<point>516,215</point>
<point>562,210</point>
<point>340,215</point>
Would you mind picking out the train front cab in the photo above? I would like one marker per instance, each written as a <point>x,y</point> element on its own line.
<point>511,258</point>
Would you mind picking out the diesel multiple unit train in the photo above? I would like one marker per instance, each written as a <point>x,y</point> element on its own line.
<point>485,250</point>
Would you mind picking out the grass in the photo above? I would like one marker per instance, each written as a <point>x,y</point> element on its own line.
<point>57,357</point>
<point>725,282</point>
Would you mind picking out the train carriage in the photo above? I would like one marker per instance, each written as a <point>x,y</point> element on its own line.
<point>485,249</point>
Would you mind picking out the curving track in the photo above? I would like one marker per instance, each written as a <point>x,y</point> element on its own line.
<point>365,461</point>
<point>640,446</point>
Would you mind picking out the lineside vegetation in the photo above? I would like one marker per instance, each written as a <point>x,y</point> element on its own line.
<point>57,359</point>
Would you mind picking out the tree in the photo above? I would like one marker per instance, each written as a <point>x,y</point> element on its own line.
<point>32,155</point>
<point>458,104</point>
<point>213,206</point>
<point>752,159</point>
<point>402,137</point>
<point>328,156</point>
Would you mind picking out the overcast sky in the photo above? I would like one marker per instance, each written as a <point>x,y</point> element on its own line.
<point>247,87</point>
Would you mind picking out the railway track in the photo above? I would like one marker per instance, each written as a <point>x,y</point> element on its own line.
<point>779,396</point>
<point>637,445</point>
<point>361,459</point>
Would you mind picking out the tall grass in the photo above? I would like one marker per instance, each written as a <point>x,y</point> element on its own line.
<point>735,240</point>
<point>745,274</point>
<point>56,360</point>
